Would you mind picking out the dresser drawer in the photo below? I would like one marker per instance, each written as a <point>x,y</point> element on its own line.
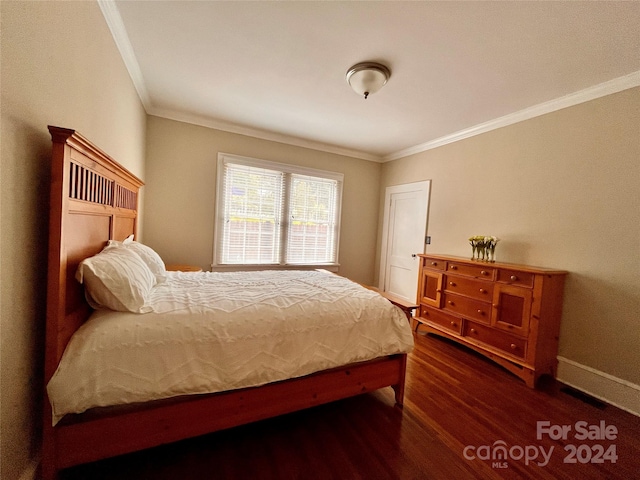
<point>435,263</point>
<point>478,271</point>
<point>437,317</point>
<point>467,307</point>
<point>509,344</point>
<point>469,287</point>
<point>515,277</point>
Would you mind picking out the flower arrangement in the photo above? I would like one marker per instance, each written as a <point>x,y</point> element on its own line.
<point>483,248</point>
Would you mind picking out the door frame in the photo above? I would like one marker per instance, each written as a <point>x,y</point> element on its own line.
<point>391,190</point>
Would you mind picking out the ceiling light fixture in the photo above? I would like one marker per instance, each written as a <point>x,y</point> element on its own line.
<point>367,77</point>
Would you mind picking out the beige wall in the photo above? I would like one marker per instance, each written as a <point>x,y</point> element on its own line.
<point>181,192</point>
<point>60,66</point>
<point>561,191</point>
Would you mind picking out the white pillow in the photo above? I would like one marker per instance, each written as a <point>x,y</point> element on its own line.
<point>118,279</point>
<point>147,254</point>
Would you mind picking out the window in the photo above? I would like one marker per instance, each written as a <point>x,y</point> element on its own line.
<point>276,214</point>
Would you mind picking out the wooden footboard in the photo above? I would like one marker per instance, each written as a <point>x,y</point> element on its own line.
<point>110,432</point>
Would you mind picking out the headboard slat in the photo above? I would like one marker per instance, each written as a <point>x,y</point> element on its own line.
<point>91,186</point>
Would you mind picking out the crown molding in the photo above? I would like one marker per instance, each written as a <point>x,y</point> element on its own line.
<point>119,33</point>
<point>607,88</point>
<point>261,134</point>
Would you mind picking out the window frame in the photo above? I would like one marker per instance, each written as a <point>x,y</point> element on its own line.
<point>287,170</point>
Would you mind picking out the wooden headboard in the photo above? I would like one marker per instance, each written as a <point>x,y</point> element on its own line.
<point>93,199</point>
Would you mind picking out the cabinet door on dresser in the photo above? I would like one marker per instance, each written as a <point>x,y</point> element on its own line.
<point>430,284</point>
<point>511,309</point>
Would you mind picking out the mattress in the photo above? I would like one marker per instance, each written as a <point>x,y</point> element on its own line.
<point>211,332</point>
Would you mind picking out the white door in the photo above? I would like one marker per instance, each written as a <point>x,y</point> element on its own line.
<point>403,236</point>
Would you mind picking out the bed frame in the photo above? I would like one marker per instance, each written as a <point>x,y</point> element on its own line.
<point>93,200</point>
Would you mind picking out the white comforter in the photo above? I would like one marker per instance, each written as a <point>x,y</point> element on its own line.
<point>210,332</point>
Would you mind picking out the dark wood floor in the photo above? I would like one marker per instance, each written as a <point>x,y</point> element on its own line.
<point>455,402</point>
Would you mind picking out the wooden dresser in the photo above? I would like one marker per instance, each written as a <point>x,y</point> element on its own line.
<point>507,312</point>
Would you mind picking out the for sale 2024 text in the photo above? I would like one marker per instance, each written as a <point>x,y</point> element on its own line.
<point>582,453</point>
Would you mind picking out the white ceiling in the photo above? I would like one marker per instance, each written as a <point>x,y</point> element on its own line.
<point>276,70</point>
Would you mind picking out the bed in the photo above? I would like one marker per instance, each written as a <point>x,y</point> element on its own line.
<point>94,202</point>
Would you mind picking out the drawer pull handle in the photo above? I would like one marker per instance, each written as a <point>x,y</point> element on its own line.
<point>453,284</point>
<point>473,330</point>
<point>453,324</point>
<point>480,312</point>
<point>453,267</point>
<point>513,278</point>
<point>484,272</point>
<point>450,302</point>
<point>434,264</point>
<point>513,346</point>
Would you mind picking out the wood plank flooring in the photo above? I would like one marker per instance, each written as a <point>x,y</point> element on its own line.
<point>456,402</point>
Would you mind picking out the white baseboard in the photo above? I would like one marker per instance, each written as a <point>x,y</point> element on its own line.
<point>619,393</point>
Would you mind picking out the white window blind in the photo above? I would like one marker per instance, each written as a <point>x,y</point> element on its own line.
<point>313,220</point>
<point>276,214</point>
<point>252,214</point>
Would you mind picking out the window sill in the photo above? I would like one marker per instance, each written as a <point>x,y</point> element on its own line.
<point>331,267</point>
